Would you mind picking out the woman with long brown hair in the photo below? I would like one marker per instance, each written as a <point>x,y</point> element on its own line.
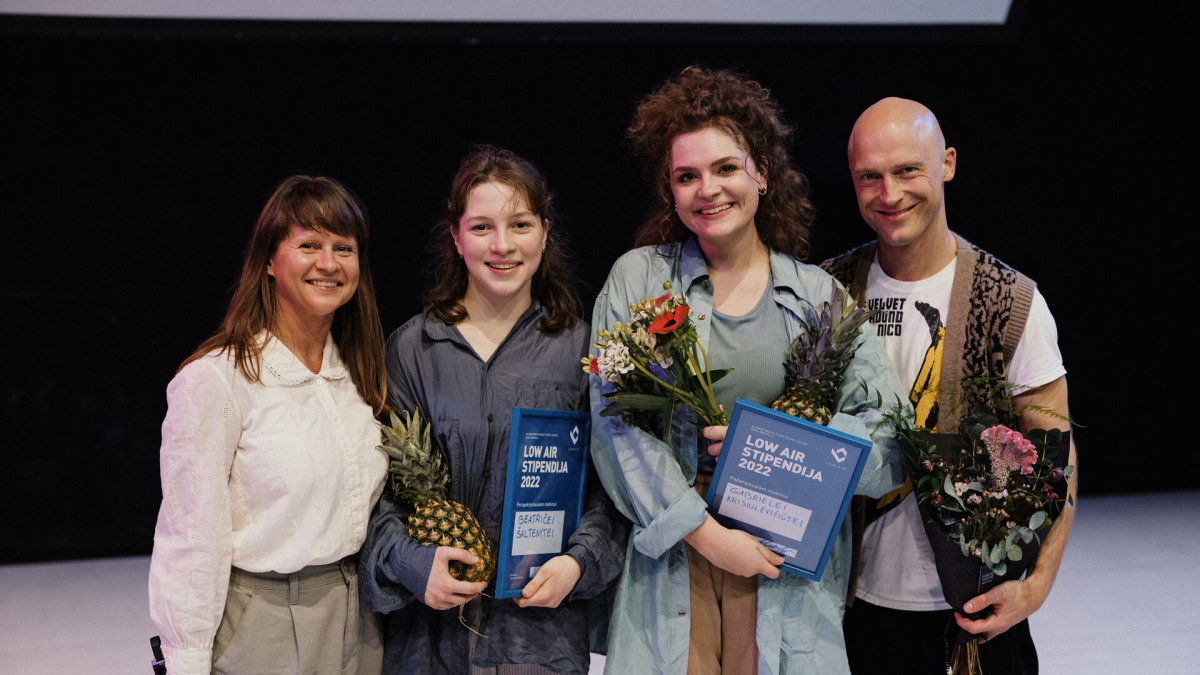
<point>729,230</point>
<point>269,460</point>
<point>500,330</point>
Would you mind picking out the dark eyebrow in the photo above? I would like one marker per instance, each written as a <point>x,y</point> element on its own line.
<point>724,160</point>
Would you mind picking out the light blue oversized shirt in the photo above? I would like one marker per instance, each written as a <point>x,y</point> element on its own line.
<point>799,621</point>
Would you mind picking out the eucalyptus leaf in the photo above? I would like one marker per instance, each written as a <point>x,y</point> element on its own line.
<point>997,553</point>
<point>948,488</point>
<point>1035,521</point>
<point>1015,553</point>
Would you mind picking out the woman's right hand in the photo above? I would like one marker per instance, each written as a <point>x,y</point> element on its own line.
<point>716,437</point>
<point>443,591</point>
<point>734,551</point>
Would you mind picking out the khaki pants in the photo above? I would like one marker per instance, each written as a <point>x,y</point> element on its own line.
<point>306,622</point>
<point>724,616</point>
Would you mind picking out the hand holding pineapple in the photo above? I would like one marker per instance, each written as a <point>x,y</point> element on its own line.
<point>443,590</point>
<point>419,476</point>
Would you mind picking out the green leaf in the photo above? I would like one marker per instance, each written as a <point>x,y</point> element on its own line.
<point>1035,521</point>
<point>948,488</point>
<point>638,401</point>
<point>719,373</point>
<point>997,553</point>
<point>1015,553</point>
<point>612,410</point>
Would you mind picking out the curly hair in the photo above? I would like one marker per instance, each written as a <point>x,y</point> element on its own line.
<point>699,98</point>
<point>314,203</point>
<point>553,283</point>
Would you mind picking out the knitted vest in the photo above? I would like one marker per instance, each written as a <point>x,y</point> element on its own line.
<point>989,304</point>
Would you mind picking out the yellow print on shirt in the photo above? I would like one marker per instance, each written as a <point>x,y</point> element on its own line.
<point>924,398</point>
<point>924,392</point>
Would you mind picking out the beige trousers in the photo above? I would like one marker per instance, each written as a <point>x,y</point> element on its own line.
<point>306,622</point>
<point>724,616</point>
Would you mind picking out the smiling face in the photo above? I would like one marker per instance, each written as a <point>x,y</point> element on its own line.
<point>899,162</point>
<point>315,273</point>
<point>501,242</point>
<point>715,185</point>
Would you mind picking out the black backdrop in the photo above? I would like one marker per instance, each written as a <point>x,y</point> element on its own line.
<point>137,155</point>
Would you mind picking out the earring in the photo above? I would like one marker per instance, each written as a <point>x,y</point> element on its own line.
<point>762,190</point>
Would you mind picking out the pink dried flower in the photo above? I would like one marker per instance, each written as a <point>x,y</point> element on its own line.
<point>1009,451</point>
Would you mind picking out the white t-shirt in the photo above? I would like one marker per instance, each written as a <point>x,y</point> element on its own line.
<point>897,563</point>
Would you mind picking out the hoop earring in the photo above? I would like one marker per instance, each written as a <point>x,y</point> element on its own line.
<point>762,190</point>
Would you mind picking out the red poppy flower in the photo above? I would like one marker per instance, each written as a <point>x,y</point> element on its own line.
<point>669,322</point>
<point>594,366</point>
<point>661,299</point>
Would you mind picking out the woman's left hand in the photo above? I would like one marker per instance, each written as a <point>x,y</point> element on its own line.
<point>717,436</point>
<point>553,581</point>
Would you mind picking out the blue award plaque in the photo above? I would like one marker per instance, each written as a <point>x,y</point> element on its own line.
<point>543,495</point>
<point>788,482</point>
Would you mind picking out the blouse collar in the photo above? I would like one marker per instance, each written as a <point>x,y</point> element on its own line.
<point>288,369</point>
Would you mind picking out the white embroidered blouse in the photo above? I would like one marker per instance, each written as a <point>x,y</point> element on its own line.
<point>268,476</point>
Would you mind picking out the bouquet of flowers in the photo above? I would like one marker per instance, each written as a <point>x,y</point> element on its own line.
<point>653,363</point>
<point>987,494</point>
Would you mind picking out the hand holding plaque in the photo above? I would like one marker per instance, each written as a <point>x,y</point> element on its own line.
<point>786,481</point>
<point>543,500</point>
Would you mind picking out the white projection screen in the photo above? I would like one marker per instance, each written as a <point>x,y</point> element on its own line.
<point>757,12</point>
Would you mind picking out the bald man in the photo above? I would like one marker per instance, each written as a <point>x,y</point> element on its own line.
<point>948,310</point>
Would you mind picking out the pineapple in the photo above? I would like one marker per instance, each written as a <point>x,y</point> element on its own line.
<point>819,357</point>
<point>418,475</point>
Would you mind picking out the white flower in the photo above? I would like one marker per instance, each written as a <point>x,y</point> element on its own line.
<point>960,488</point>
<point>614,360</point>
<point>645,339</point>
<point>974,499</point>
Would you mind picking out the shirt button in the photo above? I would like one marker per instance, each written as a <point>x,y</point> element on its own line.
<point>702,317</point>
<point>491,417</point>
<point>682,612</point>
